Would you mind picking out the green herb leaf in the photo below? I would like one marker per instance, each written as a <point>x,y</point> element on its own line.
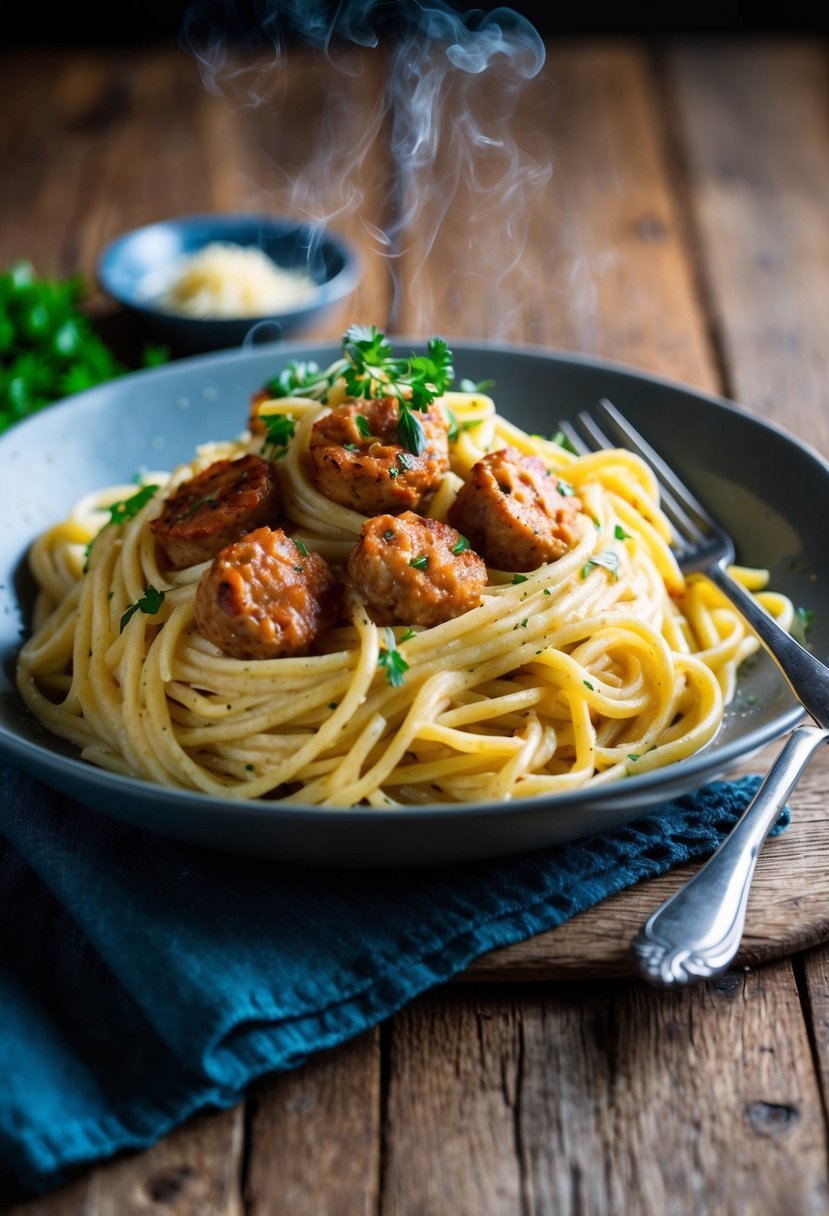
<point>633,756</point>
<point>607,559</point>
<point>420,562</point>
<point>587,684</point>
<point>461,546</point>
<point>453,430</point>
<point>564,488</point>
<point>620,533</point>
<point>362,425</point>
<point>482,386</point>
<point>279,430</point>
<point>300,545</point>
<point>519,578</point>
<point>149,604</point>
<point>121,512</point>
<point>392,661</point>
<point>563,442</point>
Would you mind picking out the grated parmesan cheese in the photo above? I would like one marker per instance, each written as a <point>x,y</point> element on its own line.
<point>227,280</point>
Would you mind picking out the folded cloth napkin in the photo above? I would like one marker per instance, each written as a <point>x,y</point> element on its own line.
<point>142,980</point>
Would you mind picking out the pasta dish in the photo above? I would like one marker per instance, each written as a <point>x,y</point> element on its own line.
<point>381,593</point>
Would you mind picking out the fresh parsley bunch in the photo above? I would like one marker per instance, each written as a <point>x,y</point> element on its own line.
<point>48,348</point>
<point>370,369</point>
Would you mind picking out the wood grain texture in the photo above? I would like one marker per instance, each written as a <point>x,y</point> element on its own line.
<point>754,131</point>
<point>314,1136</point>
<point>788,907</point>
<point>586,1098</point>
<point>195,1171</point>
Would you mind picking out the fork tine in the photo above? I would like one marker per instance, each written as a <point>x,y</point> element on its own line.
<point>687,531</point>
<point>678,491</point>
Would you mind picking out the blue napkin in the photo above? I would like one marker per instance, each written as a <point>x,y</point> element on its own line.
<point>142,980</point>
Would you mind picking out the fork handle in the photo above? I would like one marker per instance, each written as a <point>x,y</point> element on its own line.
<point>806,676</point>
<point>696,933</point>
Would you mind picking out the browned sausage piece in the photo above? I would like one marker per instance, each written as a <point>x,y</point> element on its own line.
<point>513,512</point>
<point>215,507</point>
<point>263,598</point>
<point>408,572</point>
<point>361,464</point>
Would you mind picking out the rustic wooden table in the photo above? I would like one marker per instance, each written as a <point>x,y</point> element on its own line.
<point>683,230</point>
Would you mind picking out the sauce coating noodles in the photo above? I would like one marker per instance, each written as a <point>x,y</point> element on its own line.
<point>603,663</point>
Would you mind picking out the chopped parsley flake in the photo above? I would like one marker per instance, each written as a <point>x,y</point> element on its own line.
<point>388,534</point>
<point>563,442</point>
<point>519,578</point>
<point>300,546</point>
<point>392,661</point>
<point>149,604</point>
<point>633,756</point>
<point>461,546</point>
<point>362,425</point>
<point>279,431</point>
<point>620,533</point>
<point>420,562</point>
<point>587,684</point>
<point>121,512</point>
<point>565,489</point>
<point>607,559</point>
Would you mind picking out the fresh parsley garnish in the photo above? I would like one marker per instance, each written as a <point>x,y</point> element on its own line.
<point>563,442</point>
<point>620,533</point>
<point>633,756</point>
<point>295,380</point>
<point>461,546</point>
<point>564,488</point>
<point>362,425</point>
<point>607,559</point>
<point>369,369</point>
<point>392,661</point>
<point>388,534</point>
<point>454,429</point>
<point>48,347</point>
<point>149,603</point>
<point>122,511</point>
<point>587,684</point>
<point>519,578</point>
<point>279,431</point>
<point>420,562</point>
<point>469,386</point>
<point>300,545</point>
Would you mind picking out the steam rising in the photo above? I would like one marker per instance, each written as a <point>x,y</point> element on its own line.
<point>441,142</point>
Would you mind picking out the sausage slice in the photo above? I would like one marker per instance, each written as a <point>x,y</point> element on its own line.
<point>414,571</point>
<point>515,512</point>
<point>263,598</point>
<point>215,507</point>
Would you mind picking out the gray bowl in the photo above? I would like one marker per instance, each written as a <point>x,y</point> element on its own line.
<point>770,490</point>
<point>124,267</point>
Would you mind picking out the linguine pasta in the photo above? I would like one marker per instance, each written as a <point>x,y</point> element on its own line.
<point>604,663</point>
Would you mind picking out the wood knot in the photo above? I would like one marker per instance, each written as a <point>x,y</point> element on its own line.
<point>651,228</point>
<point>729,984</point>
<point>164,1187</point>
<point>771,1118</point>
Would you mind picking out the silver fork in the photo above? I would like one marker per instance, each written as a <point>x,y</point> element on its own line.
<point>696,933</point>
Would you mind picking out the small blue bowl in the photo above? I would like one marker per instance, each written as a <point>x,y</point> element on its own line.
<point>124,267</point>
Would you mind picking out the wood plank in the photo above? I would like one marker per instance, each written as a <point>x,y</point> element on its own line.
<point>672,1103</point>
<point>788,907</point>
<point>194,1171</point>
<point>606,269</point>
<point>755,139</point>
<point>452,1100</point>
<point>314,1136</point>
<point>586,1098</point>
<point>816,980</point>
